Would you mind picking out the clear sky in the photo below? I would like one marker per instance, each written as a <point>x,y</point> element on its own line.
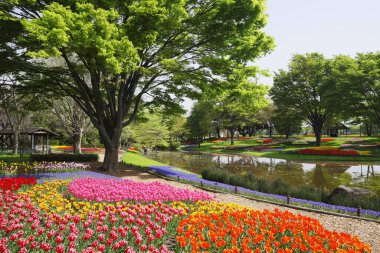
<point>329,27</point>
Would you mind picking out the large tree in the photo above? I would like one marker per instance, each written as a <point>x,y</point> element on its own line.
<point>286,121</point>
<point>305,88</point>
<point>200,121</point>
<point>115,52</point>
<point>358,80</point>
<point>74,122</point>
<point>243,98</point>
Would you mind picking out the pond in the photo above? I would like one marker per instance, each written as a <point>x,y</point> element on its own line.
<point>323,175</point>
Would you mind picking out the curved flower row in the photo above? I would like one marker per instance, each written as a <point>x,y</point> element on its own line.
<point>114,190</point>
<point>332,151</point>
<point>254,231</point>
<point>83,149</point>
<point>13,184</point>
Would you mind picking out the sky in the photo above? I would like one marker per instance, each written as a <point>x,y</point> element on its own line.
<point>330,27</point>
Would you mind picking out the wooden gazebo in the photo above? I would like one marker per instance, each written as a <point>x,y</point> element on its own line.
<point>336,130</point>
<point>37,136</point>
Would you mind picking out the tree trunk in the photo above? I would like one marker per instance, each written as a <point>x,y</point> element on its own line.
<point>318,134</point>
<point>15,142</point>
<point>77,142</point>
<point>270,131</point>
<point>111,157</point>
<point>368,128</point>
<point>232,133</point>
<point>217,130</point>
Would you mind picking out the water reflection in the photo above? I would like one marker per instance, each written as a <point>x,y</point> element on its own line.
<point>321,175</point>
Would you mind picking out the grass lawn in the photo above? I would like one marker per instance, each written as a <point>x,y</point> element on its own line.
<point>286,152</point>
<point>13,158</point>
<point>139,160</point>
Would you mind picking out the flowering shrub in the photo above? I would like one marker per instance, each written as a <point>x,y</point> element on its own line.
<point>253,231</point>
<point>113,190</point>
<point>13,184</point>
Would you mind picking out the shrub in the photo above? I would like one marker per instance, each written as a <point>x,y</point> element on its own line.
<point>279,187</point>
<point>64,158</point>
<point>174,145</point>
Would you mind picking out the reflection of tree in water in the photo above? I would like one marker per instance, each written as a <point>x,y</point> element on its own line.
<point>369,179</point>
<point>318,179</point>
<point>328,177</point>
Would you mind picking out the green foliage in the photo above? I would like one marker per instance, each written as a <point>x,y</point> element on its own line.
<point>358,82</point>
<point>306,89</point>
<point>116,53</point>
<point>64,158</point>
<point>149,131</point>
<point>199,123</point>
<point>286,121</point>
<point>139,160</point>
<point>280,188</point>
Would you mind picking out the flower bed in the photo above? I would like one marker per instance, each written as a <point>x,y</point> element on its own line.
<point>47,217</point>
<point>265,141</point>
<point>117,228</point>
<point>13,184</point>
<point>83,149</point>
<point>332,151</point>
<point>115,190</point>
<point>168,171</point>
<point>60,166</point>
<point>254,231</point>
<point>327,139</point>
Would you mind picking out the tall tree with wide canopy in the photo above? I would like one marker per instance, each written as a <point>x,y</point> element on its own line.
<point>115,52</point>
<point>243,98</point>
<point>305,88</point>
<point>358,81</point>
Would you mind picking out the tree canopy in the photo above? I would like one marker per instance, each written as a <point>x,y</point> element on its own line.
<point>118,53</point>
<point>305,88</point>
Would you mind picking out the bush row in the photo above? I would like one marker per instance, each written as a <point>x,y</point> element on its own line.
<point>64,158</point>
<point>278,187</point>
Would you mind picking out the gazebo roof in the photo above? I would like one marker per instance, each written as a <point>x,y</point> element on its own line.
<point>29,130</point>
<point>337,126</point>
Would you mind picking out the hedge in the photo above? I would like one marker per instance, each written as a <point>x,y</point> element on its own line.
<point>64,158</point>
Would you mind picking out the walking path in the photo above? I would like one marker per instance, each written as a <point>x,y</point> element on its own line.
<point>367,231</point>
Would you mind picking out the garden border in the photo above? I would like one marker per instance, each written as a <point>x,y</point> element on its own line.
<point>146,169</point>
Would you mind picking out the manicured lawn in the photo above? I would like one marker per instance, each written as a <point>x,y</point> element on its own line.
<point>139,160</point>
<point>289,148</point>
<point>13,158</point>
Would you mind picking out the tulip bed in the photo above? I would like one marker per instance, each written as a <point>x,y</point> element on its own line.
<point>98,213</point>
<point>332,151</point>
<point>14,168</point>
<point>83,149</point>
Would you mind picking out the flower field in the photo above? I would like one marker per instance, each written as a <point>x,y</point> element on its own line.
<point>8,169</point>
<point>91,212</point>
<point>332,151</point>
<point>63,148</point>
